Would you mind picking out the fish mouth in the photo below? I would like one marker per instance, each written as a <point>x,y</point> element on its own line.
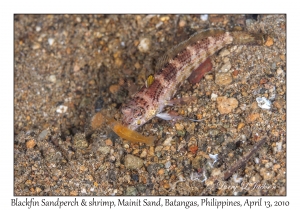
<point>129,123</point>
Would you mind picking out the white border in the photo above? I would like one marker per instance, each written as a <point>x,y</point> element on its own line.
<point>153,6</point>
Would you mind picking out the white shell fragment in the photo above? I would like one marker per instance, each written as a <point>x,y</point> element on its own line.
<point>214,157</point>
<point>50,41</point>
<point>38,28</point>
<point>236,179</point>
<point>144,45</point>
<point>213,97</point>
<point>61,109</point>
<point>204,17</point>
<point>263,103</point>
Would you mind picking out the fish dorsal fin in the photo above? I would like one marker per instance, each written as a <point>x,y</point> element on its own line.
<point>198,36</point>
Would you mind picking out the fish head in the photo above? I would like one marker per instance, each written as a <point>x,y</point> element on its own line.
<point>135,115</point>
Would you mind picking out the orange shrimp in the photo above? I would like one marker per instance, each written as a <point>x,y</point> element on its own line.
<point>129,134</point>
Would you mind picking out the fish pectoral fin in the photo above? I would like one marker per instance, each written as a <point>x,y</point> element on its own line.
<point>173,117</point>
<point>168,116</point>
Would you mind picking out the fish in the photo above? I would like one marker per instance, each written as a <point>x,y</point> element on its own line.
<point>174,67</point>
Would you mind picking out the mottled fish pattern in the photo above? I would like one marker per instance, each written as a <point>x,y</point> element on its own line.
<point>174,67</point>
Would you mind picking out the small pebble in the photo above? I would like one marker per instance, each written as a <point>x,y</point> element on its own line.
<point>226,105</point>
<point>272,93</point>
<point>276,167</point>
<point>179,126</point>
<point>182,23</point>
<point>131,191</point>
<point>237,179</point>
<point>144,45</point>
<point>255,178</point>
<point>280,71</point>
<point>135,152</point>
<point>213,132</point>
<point>279,104</point>
<point>279,146</point>
<point>159,24</point>
<point>240,126</point>
<point>61,109</point>
<point>158,148</point>
<point>43,134</point>
<point>144,153</point>
<point>137,65</point>
<point>263,103</point>
<point>164,18</point>
<point>74,193</point>
<point>38,190</point>
<point>161,171</point>
<point>263,81</point>
<point>104,150</point>
<point>266,174</point>
<point>196,162</point>
<point>52,78</point>
<point>249,22</point>
<point>28,182</point>
<point>226,67</point>
<point>92,82</point>
<point>38,28</point>
<point>215,172</point>
<point>97,120</point>
<point>252,117</point>
<point>243,107</point>
<point>168,164</point>
<point>204,17</point>
<point>166,185</point>
<point>224,52</point>
<point>118,62</point>
<point>254,106</point>
<point>193,149</point>
<point>35,46</point>
<point>223,78</point>
<point>108,142</point>
<point>213,97</point>
<point>221,138</point>
<point>133,162</point>
<point>151,151</point>
<point>80,141</point>
<point>209,77</point>
<point>51,41</point>
<point>83,190</point>
<point>30,144</point>
<point>114,89</point>
<point>78,19</point>
<point>273,66</point>
<point>214,19</point>
<point>82,168</point>
<point>68,50</point>
<point>269,42</point>
<point>76,67</point>
<point>99,104</point>
<point>235,73</point>
<point>269,165</point>
<point>167,142</point>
